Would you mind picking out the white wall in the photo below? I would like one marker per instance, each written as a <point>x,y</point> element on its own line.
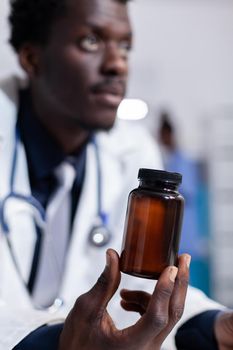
<point>183,58</point>
<point>8,61</point>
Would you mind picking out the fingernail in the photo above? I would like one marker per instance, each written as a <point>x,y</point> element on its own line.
<point>108,259</point>
<point>173,273</point>
<point>188,260</point>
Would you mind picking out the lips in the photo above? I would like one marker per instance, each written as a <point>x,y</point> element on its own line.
<point>109,93</point>
<point>108,99</point>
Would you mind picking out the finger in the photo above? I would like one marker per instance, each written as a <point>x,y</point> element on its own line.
<point>107,283</point>
<point>137,299</point>
<point>132,307</point>
<point>180,289</point>
<point>157,314</point>
<point>177,300</point>
<point>158,307</point>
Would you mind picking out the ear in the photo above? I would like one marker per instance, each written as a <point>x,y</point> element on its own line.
<point>29,59</point>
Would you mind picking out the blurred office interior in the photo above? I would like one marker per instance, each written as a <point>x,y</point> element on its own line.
<point>182,62</point>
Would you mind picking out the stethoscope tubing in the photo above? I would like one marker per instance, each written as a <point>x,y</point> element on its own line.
<point>12,194</point>
<point>101,216</point>
<point>29,199</point>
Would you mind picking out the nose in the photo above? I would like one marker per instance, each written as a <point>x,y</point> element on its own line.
<point>115,61</point>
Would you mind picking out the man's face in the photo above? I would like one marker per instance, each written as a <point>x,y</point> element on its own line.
<point>83,67</point>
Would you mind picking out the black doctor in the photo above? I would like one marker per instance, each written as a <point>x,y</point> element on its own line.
<point>75,54</point>
<point>78,69</point>
<point>77,65</point>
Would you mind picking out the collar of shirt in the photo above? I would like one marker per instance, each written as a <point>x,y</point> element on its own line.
<point>43,152</point>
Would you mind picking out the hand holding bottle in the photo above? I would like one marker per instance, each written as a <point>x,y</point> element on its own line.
<point>89,326</point>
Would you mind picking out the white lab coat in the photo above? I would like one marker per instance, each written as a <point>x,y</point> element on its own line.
<point>122,152</point>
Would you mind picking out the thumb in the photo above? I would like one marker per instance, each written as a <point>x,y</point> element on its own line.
<point>108,282</point>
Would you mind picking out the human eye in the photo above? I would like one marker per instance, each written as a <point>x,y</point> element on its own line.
<point>90,43</point>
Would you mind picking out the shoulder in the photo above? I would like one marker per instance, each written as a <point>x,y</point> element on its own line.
<point>9,104</point>
<point>126,131</point>
<point>9,88</point>
<point>130,140</point>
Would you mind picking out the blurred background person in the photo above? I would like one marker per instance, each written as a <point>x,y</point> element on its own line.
<point>195,230</point>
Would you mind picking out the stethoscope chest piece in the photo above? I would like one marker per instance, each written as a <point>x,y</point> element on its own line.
<point>99,235</point>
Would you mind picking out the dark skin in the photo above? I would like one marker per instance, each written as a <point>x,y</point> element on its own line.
<point>77,80</point>
<point>79,77</point>
<point>89,325</point>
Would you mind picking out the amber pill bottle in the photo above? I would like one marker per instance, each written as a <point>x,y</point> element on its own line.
<point>153,224</point>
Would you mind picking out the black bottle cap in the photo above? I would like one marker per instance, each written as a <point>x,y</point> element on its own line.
<point>159,175</point>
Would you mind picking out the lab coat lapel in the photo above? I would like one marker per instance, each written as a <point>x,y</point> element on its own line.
<point>81,273</point>
<point>7,127</point>
<point>23,236</point>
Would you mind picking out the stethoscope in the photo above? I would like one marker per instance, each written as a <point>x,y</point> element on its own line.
<point>99,235</point>
<point>33,202</point>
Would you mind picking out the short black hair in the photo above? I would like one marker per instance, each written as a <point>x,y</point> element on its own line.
<point>31,20</point>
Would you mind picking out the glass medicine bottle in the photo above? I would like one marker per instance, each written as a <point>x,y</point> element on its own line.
<point>153,224</point>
